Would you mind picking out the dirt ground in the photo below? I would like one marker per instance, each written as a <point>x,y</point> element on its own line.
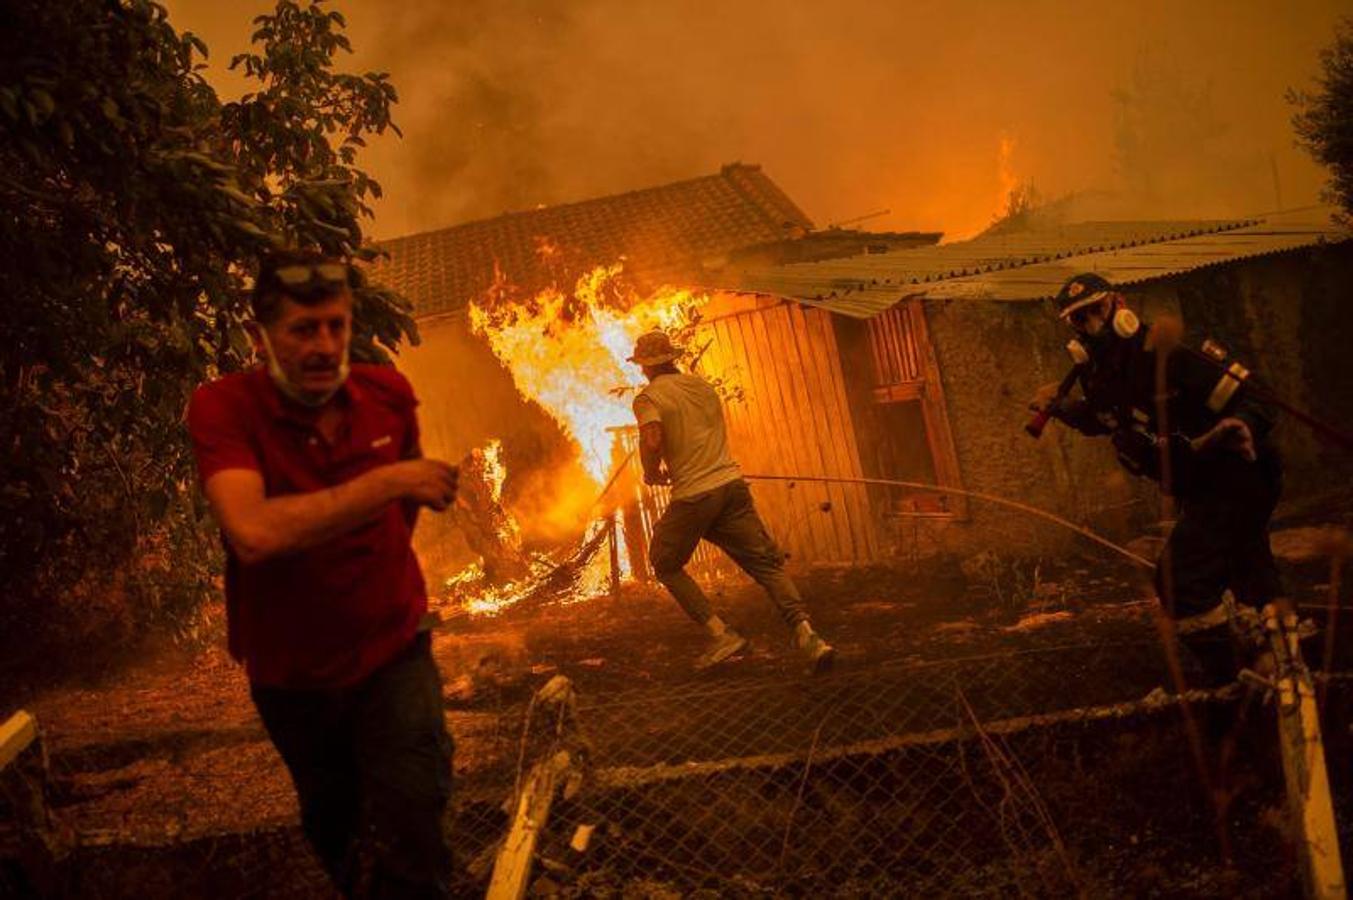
<point>173,748</point>
<point>171,754</point>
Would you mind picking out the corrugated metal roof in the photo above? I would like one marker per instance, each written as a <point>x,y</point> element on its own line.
<point>1274,233</point>
<point>1032,265</point>
<point>655,228</point>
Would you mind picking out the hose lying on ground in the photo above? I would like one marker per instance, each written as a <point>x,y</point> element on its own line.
<point>975,495</point>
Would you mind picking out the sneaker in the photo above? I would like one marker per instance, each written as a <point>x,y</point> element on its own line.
<point>821,655</point>
<point>720,648</point>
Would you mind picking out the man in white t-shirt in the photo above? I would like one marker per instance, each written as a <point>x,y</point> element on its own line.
<point>683,442</point>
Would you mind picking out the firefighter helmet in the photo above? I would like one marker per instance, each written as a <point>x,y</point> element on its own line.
<point>1081,291</point>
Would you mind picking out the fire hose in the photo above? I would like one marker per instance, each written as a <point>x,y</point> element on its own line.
<point>933,488</point>
<point>974,495</point>
<point>1215,356</point>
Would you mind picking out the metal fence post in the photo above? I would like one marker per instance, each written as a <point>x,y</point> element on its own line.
<point>1303,754</point>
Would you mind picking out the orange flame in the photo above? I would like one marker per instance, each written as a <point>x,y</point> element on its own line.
<point>567,351</point>
<point>494,470</point>
<point>479,599</point>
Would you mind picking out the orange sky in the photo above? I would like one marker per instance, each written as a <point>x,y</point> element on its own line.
<point>850,106</point>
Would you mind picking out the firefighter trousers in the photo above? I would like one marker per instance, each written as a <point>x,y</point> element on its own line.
<point>1221,541</point>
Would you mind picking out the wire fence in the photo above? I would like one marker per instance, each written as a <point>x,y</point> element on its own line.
<point>956,778</point>
<point>991,774</point>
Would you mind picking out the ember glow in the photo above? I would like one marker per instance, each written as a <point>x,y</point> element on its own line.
<point>579,578</point>
<point>566,351</point>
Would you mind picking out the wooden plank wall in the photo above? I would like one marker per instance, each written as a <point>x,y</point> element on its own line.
<point>793,419</point>
<point>648,503</point>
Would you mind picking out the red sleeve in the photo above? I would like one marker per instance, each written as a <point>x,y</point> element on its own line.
<point>220,437</point>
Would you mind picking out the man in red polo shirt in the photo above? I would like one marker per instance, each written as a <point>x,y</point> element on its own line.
<point>313,472</point>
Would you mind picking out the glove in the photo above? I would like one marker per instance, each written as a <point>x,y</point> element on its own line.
<point>1228,434</point>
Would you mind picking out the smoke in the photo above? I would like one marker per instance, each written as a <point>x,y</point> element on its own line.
<point>1166,108</point>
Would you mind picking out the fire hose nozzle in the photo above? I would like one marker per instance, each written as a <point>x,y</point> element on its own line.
<point>1034,427</point>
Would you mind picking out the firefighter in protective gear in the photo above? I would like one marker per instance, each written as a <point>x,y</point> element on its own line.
<point>1194,428</point>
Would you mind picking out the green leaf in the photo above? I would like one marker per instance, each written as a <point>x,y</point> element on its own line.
<point>42,102</point>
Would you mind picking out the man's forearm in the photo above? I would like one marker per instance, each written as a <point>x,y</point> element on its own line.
<point>278,526</point>
<point>1077,414</point>
<point>651,459</point>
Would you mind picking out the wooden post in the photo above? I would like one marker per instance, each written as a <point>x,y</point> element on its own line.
<point>615,553</point>
<point>512,869</point>
<point>15,735</point>
<point>624,453</point>
<point>636,542</point>
<point>1303,752</point>
<point>23,781</point>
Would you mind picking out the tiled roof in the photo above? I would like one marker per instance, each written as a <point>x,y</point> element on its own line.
<point>662,228</point>
<point>1034,264</point>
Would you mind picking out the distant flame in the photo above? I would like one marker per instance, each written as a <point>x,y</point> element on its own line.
<point>1005,173</point>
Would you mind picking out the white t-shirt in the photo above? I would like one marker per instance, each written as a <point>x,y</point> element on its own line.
<point>695,441</point>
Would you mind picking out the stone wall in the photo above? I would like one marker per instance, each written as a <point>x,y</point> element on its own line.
<point>992,357</point>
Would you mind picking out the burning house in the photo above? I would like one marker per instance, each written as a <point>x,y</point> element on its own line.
<point>526,319</point>
<point>842,354</point>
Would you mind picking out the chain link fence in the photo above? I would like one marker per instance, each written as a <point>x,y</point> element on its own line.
<point>960,777</point>
<point>1033,772</point>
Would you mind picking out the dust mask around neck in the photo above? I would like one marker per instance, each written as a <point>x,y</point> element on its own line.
<point>290,390</point>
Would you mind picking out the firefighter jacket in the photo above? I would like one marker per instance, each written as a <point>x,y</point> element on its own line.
<point>1119,398</point>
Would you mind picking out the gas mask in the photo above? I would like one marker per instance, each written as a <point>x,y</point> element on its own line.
<point>290,390</point>
<point>1120,327</point>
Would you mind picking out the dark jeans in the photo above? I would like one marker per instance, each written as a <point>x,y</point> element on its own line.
<point>1221,541</point>
<point>374,758</point>
<point>726,518</point>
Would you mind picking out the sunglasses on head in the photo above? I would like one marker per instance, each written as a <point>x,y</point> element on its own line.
<point>307,274</point>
